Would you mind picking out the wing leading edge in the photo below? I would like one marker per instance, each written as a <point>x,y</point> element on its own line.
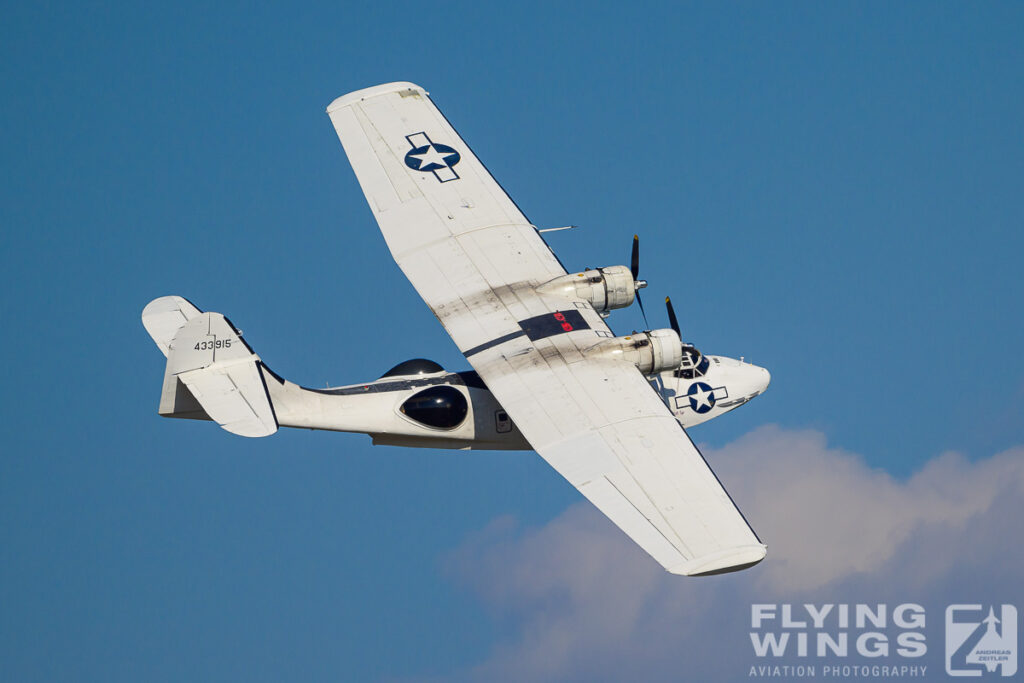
<point>476,261</point>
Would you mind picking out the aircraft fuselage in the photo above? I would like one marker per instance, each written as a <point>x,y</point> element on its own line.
<point>456,410</point>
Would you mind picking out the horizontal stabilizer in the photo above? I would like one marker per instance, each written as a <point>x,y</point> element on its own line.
<point>222,373</point>
<point>163,317</point>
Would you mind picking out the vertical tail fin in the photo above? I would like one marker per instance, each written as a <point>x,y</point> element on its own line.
<point>219,371</point>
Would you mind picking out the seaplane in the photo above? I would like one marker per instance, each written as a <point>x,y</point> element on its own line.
<point>609,413</point>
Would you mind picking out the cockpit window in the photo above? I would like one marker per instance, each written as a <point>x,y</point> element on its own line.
<point>688,371</point>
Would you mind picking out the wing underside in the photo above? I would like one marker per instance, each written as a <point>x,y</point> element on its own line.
<point>476,261</point>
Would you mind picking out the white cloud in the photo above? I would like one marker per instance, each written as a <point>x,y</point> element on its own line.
<point>581,602</point>
<point>825,515</point>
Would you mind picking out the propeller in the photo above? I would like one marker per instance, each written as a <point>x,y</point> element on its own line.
<point>634,267</point>
<point>689,350</point>
<point>672,321</point>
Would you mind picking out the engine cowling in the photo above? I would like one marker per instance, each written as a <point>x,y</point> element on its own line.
<point>604,288</point>
<point>652,352</point>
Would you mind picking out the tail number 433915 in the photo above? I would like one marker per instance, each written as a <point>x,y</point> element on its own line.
<point>214,344</point>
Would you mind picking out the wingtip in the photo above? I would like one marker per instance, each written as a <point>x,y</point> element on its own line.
<point>374,91</point>
<point>723,562</point>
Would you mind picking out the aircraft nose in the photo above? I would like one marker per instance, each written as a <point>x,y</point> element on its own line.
<point>758,378</point>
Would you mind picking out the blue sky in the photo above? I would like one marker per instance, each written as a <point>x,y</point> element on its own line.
<point>831,190</point>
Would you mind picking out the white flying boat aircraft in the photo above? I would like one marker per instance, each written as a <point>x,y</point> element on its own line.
<point>607,412</point>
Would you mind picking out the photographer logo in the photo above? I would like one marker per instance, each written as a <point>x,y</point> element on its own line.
<point>981,640</point>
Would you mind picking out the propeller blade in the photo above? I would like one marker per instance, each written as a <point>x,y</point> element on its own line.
<point>635,261</point>
<point>640,301</point>
<point>673,323</point>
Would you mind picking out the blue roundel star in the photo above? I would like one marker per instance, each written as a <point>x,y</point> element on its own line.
<point>431,157</point>
<point>702,397</point>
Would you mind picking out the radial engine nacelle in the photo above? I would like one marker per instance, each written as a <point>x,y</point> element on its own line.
<point>653,351</point>
<point>604,288</point>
